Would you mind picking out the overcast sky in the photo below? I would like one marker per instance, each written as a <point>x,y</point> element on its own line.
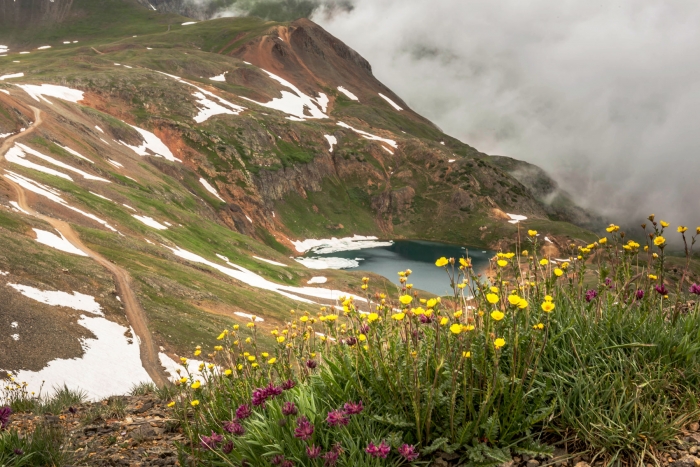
<point>602,94</point>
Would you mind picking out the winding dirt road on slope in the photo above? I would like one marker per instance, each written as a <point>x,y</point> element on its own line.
<point>122,279</point>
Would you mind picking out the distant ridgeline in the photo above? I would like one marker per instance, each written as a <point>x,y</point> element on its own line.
<point>33,12</point>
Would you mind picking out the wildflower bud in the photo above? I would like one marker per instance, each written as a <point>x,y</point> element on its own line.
<point>644,226</point>
<point>452,261</point>
<point>622,235</point>
<point>651,218</point>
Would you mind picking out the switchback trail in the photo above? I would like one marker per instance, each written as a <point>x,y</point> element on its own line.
<point>122,279</point>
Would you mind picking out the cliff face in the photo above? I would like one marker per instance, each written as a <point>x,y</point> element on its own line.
<point>33,12</point>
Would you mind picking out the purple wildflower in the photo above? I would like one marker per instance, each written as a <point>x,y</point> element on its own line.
<point>364,329</point>
<point>235,428</point>
<point>287,463</point>
<point>695,289</point>
<point>425,319</point>
<point>378,451</point>
<point>72,410</point>
<point>5,413</point>
<point>351,341</point>
<point>352,408</point>
<point>243,412</point>
<point>313,451</point>
<point>304,429</point>
<point>289,384</point>
<point>330,458</point>
<point>273,391</point>
<point>277,460</point>
<point>18,452</point>
<point>210,442</point>
<point>639,294</point>
<point>337,418</point>
<point>408,452</point>
<point>609,283</point>
<point>227,448</point>
<point>311,364</point>
<point>661,289</point>
<point>591,295</point>
<point>289,409</point>
<point>259,397</point>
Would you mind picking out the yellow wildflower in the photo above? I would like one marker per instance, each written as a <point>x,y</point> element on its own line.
<point>544,262</point>
<point>659,241</point>
<point>280,339</point>
<point>458,313</point>
<point>468,327</point>
<point>492,298</point>
<point>532,233</point>
<point>196,385</point>
<point>197,352</point>
<point>372,317</point>
<point>524,253</point>
<point>547,307</point>
<point>272,361</point>
<point>444,320</point>
<point>664,224</point>
<point>653,277</point>
<point>194,403</point>
<point>466,354</point>
<point>513,299</point>
<point>441,262</point>
<point>250,325</point>
<point>603,241</point>
<point>456,328</point>
<point>362,338</point>
<point>331,317</point>
<point>228,372</point>
<point>502,263</point>
<point>218,348</point>
<point>558,272</point>
<point>405,299</point>
<point>500,342</point>
<point>171,404</point>
<point>497,315</point>
<point>251,358</point>
<point>522,304</point>
<point>398,316</point>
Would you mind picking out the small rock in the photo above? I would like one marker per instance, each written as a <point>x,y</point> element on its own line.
<point>695,426</point>
<point>686,461</point>
<point>526,458</point>
<point>533,463</point>
<point>582,464</point>
<point>693,450</point>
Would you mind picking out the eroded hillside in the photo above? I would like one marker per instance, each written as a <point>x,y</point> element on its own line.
<point>182,161</point>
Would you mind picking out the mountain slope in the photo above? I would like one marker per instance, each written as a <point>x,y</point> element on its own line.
<point>192,157</point>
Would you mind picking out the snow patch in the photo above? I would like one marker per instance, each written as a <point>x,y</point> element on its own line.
<point>515,218</point>
<point>115,163</point>
<point>317,280</point>
<point>75,153</point>
<point>322,100</point>
<point>15,75</point>
<point>18,153</point>
<point>171,367</point>
<point>3,273</point>
<point>110,365</point>
<point>43,47</point>
<point>189,23</point>
<point>270,261</point>
<point>210,188</point>
<point>58,242</point>
<point>388,150</point>
<point>151,143</point>
<point>18,207</point>
<point>51,90</point>
<point>221,78</point>
<point>293,103</point>
<point>149,221</point>
<point>451,160</point>
<point>392,103</point>
<point>332,245</point>
<point>370,136</point>
<point>76,301</point>
<point>50,193</point>
<point>257,319</point>
<point>254,280</point>
<point>328,262</point>
<point>332,141</point>
<point>349,95</point>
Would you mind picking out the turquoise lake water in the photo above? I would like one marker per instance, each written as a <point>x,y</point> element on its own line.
<point>418,256</point>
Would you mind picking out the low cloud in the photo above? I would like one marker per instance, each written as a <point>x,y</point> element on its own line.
<point>603,96</point>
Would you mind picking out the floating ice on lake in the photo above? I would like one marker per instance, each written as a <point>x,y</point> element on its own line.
<point>332,245</point>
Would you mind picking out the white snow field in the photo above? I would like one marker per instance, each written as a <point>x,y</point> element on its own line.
<point>348,94</point>
<point>210,189</point>
<point>269,261</point>
<point>149,221</point>
<point>19,152</point>
<point>332,245</point>
<point>151,143</point>
<point>332,141</point>
<point>58,242</point>
<point>39,93</point>
<point>392,103</point>
<point>370,136</point>
<point>295,103</point>
<point>76,301</point>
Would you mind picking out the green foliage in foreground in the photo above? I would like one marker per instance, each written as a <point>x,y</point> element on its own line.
<point>500,368</point>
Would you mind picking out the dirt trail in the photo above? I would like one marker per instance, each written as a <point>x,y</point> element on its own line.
<point>122,279</point>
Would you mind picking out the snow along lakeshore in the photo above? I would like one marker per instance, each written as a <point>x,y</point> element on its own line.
<point>331,245</point>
